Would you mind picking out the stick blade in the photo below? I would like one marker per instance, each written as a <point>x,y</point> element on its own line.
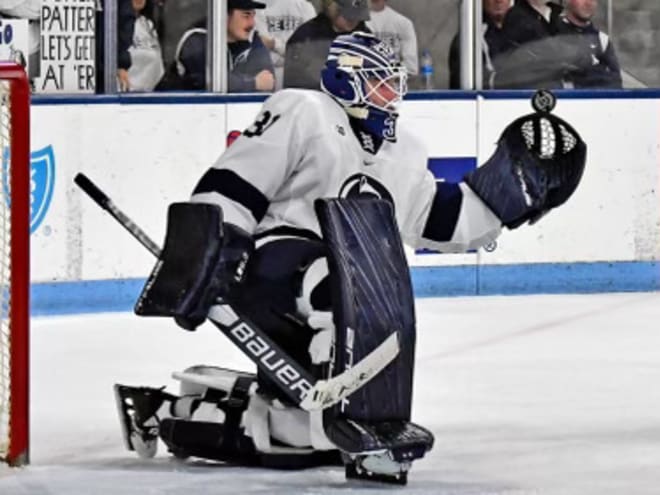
<point>327,393</point>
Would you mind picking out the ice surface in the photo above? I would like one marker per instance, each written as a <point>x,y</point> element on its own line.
<point>525,395</point>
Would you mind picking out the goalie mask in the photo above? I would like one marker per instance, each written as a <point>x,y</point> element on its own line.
<point>362,74</point>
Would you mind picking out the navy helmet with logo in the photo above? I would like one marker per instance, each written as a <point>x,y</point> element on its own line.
<point>358,67</point>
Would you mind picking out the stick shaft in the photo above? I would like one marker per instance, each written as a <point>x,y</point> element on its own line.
<point>101,199</point>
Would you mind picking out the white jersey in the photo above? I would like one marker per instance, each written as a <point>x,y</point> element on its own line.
<point>397,30</point>
<point>21,9</point>
<point>301,148</point>
<point>279,20</point>
<point>146,68</point>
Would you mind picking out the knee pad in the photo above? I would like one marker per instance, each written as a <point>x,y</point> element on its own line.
<point>314,289</point>
<point>198,379</point>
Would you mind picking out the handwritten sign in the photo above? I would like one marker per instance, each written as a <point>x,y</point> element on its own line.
<point>67,46</point>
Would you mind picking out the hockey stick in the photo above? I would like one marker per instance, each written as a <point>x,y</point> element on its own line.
<point>100,198</point>
<point>294,380</point>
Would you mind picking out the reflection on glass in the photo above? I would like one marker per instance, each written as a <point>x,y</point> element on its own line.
<point>566,45</point>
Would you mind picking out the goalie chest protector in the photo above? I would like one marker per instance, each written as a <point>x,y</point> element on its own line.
<point>372,298</point>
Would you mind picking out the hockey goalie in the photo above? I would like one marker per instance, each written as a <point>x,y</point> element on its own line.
<point>292,243</point>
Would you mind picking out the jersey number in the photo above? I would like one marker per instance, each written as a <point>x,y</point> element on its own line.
<point>261,125</point>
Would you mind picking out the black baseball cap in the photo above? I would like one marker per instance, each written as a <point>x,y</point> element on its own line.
<point>245,4</point>
<point>354,10</point>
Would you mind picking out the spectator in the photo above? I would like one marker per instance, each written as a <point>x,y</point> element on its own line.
<point>249,65</point>
<point>602,68</point>
<point>30,10</point>
<point>493,43</point>
<point>308,47</point>
<point>139,56</point>
<point>188,71</point>
<point>276,23</point>
<point>397,30</point>
<point>531,59</point>
<point>531,20</point>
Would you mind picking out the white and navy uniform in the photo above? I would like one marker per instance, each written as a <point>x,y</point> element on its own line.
<point>397,30</point>
<point>279,20</point>
<point>302,147</point>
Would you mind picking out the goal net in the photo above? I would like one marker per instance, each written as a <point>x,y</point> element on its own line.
<point>14,263</point>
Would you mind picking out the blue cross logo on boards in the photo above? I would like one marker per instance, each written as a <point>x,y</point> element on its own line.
<point>42,182</point>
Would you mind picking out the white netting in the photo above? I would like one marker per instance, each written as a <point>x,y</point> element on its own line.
<point>548,140</point>
<point>5,237</point>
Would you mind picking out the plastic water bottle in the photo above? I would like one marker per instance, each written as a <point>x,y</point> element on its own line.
<point>427,70</point>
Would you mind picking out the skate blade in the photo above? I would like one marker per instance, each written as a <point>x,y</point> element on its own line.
<point>124,418</point>
<point>354,472</point>
<point>145,449</point>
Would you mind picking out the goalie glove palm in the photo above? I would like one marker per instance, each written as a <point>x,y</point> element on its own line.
<point>537,166</point>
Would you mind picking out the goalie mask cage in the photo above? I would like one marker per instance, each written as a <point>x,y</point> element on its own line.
<point>14,263</point>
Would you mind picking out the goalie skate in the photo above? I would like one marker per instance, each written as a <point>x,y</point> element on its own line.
<point>380,451</point>
<point>137,408</point>
<point>378,467</point>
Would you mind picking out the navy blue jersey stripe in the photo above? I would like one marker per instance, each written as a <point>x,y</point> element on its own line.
<point>441,223</point>
<point>233,186</point>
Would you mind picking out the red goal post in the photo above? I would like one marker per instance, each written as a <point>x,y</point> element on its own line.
<point>14,263</point>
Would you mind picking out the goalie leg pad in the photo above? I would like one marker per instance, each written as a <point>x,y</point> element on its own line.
<point>207,440</point>
<point>233,404</point>
<point>372,297</point>
<point>239,437</point>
